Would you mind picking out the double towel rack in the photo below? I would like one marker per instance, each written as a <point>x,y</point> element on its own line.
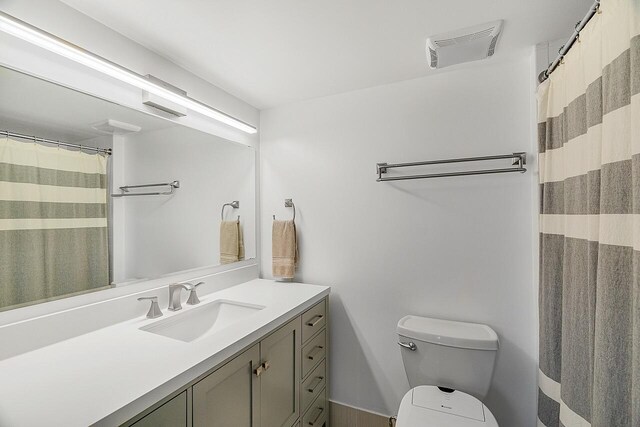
<point>170,190</point>
<point>235,205</point>
<point>518,161</point>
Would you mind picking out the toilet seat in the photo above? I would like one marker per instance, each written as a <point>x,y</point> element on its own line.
<point>428,406</point>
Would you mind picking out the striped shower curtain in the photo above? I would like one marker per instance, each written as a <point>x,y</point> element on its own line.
<point>589,155</point>
<point>53,222</point>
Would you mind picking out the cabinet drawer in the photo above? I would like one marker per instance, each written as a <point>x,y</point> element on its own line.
<point>313,352</point>
<point>313,320</point>
<point>312,387</point>
<point>317,413</point>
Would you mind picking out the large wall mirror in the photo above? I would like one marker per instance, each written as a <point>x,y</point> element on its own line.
<point>67,226</point>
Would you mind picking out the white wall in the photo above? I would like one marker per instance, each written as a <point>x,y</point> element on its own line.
<point>456,248</point>
<point>65,22</point>
<point>169,234</point>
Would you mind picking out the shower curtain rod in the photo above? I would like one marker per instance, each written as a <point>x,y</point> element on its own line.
<point>567,46</point>
<point>106,151</point>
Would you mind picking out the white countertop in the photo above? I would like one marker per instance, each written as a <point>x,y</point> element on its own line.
<point>108,376</point>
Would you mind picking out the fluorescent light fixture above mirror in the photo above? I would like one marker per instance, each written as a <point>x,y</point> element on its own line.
<point>48,41</point>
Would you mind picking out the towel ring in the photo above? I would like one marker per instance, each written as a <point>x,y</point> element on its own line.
<point>288,203</point>
<point>235,205</point>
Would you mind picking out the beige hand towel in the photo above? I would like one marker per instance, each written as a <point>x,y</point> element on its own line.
<point>240,242</point>
<point>231,242</point>
<point>284,249</point>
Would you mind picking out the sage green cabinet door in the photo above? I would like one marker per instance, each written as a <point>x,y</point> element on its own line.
<point>230,396</point>
<point>280,381</point>
<point>171,414</point>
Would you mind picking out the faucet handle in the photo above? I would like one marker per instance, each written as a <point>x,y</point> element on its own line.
<point>154,310</point>
<point>193,296</point>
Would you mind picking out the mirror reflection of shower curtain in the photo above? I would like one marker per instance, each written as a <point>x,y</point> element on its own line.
<point>589,152</point>
<point>53,222</point>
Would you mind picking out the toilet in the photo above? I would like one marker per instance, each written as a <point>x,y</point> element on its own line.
<point>449,366</point>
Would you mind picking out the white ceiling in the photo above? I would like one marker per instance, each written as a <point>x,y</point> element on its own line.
<point>273,52</point>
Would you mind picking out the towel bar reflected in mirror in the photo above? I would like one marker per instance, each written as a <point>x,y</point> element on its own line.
<point>125,189</point>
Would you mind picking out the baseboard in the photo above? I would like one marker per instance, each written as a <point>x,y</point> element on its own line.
<point>343,415</point>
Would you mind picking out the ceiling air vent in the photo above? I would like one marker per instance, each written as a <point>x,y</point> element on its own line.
<point>467,44</point>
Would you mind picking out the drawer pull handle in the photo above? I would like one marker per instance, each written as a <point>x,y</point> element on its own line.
<point>313,353</point>
<point>315,320</point>
<point>317,416</point>
<point>314,384</point>
<point>258,371</point>
<point>262,369</point>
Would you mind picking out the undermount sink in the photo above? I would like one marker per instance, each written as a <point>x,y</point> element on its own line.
<point>202,321</point>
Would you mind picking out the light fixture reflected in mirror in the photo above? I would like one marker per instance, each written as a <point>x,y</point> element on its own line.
<point>38,37</point>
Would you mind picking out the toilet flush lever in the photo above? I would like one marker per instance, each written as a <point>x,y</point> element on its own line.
<point>410,345</point>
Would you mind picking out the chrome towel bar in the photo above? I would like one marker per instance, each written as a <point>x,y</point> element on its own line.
<point>518,161</point>
<point>172,186</point>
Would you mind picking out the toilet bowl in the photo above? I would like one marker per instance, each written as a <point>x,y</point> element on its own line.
<point>428,406</point>
<point>449,366</point>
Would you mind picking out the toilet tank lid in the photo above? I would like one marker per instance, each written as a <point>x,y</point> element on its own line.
<point>474,336</point>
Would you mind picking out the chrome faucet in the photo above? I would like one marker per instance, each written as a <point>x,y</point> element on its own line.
<point>174,295</point>
<point>175,291</point>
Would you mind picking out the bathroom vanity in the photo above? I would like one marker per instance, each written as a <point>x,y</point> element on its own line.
<point>264,365</point>
<point>278,381</point>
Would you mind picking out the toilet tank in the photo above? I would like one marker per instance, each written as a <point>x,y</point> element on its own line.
<point>446,353</point>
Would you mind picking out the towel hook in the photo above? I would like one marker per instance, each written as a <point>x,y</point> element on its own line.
<point>288,203</point>
<point>235,205</point>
